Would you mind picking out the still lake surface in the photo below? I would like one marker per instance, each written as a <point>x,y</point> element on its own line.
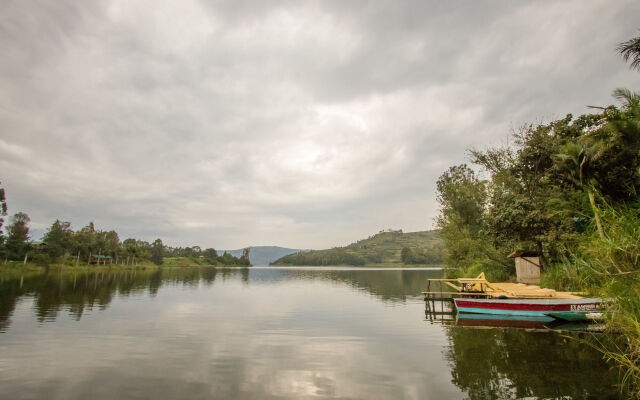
<point>271,333</point>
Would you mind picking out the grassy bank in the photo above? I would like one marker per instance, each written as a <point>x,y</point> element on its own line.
<point>183,262</point>
<point>20,267</point>
<point>608,266</point>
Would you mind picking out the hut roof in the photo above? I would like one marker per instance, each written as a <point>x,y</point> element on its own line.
<point>524,253</point>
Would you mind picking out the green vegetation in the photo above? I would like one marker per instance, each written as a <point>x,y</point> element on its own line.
<point>61,246</point>
<point>570,191</point>
<point>387,248</point>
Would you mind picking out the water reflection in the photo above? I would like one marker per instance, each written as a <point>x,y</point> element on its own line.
<point>515,363</point>
<point>268,333</point>
<point>77,292</point>
<point>513,357</point>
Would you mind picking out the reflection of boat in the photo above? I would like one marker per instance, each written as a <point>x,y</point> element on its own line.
<point>524,322</point>
<point>504,321</point>
<point>479,296</point>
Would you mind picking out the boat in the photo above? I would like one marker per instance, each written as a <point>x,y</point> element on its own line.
<point>559,308</point>
<point>479,296</point>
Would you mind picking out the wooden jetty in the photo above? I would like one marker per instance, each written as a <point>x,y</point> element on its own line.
<point>480,288</point>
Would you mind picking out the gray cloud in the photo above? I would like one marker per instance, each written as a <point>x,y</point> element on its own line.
<point>300,124</point>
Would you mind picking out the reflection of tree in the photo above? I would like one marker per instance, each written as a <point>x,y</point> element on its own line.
<point>391,285</point>
<point>10,292</point>
<point>511,363</point>
<point>77,292</point>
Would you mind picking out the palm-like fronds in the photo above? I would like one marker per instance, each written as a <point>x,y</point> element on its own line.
<point>630,50</point>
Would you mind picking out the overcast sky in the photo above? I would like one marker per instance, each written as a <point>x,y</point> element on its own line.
<point>302,124</point>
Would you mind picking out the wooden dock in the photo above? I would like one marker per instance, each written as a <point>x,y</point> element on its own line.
<point>480,288</point>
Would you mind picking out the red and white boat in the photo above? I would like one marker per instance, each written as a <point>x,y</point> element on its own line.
<point>479,296</point>
<point>567,309</point>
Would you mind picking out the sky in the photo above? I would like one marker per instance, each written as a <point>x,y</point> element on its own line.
<point>308,124</point>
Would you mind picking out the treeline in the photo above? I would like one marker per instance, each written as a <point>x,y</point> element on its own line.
<point>207,256</point>
<point>568,190</point>
<point>336,256</point>
<point>61,244</point>
<point>412,256</point>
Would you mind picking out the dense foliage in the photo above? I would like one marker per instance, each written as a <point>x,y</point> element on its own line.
<point>568,190</point>
<point>542,192</point>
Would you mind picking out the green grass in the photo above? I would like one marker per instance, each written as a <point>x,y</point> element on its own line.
<point>182,262</point>
<point>609,267</point>
<point>18,267</point>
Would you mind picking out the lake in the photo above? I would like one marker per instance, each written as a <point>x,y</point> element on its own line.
<point>273,333</point>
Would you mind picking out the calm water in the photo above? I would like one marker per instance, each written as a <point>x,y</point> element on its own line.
<point>270,333</point>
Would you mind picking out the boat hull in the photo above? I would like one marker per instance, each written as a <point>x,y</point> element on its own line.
<point>577,308</point>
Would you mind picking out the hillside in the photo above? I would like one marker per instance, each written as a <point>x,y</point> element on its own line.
<point>386,248</point>
<point>263,255</point>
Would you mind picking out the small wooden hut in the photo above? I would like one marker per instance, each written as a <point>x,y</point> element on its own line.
<point>527,266</point>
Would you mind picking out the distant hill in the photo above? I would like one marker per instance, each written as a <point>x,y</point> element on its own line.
<point>263,255</point>
<point>386,248</point>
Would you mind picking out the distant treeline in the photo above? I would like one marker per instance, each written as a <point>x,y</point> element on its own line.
<point>386,247</point>
<point>61,245</point>
<point>413,256</point>
<point>337,256</point>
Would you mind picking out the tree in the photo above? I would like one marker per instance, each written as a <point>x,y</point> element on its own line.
<point>58,239</point>
<point>630,50</point>
<point>244,259</point>
<point>228,259</point>
<point>17,243</point>
<point>603,161</point>
<point>111,242</point>
<point>3,212</point>
<point>157,252</point>
<point>84,241</point>
<point>462,197</point>
<point>407,255</point>
<point>210,255</point>
<point>579,160</point>
<point>534,197</point>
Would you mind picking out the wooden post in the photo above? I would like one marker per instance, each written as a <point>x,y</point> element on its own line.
<point>77,261</point>
<point>25,259</point>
